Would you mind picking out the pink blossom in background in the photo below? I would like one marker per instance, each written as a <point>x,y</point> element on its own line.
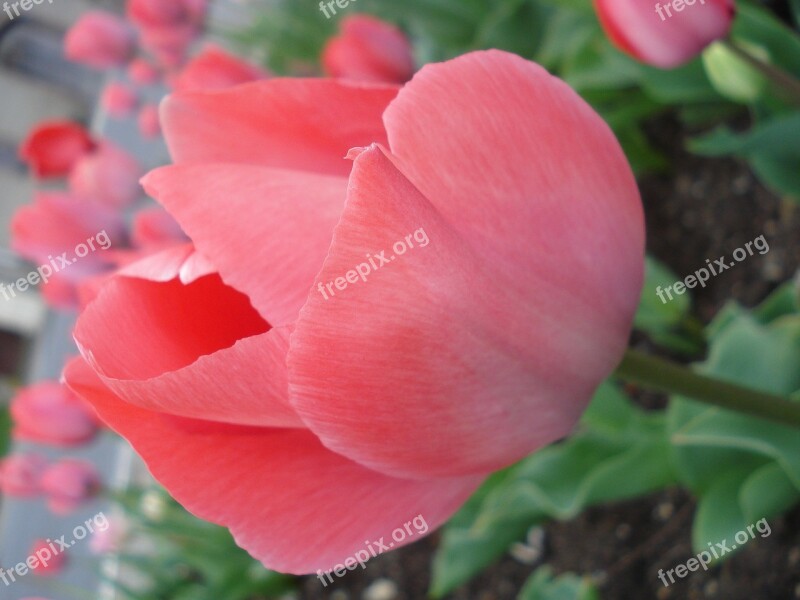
<point>665,39</point>
<point>101,40</point>
<point>118,100</point>
<point>142,72</point>
<point>68,484</point>
<point>50,413</point>
<point>214,68</point>
<point>56,563</point>
<point>53,147</point>
<point>149,122</point>
<point>110,175</point>
<point>368,49</point>
<point>400,395</point>
<point>20,475</point>
<point>56,222</point>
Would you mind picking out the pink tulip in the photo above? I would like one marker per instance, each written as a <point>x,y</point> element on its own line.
<point>149,13</point>
<point>118,100</point>
<point>109,176</point>
<point>20,475</point>
<point>276,410</point>
<point>213,69</point>
<point>53,147</point>
<point>149,122</point>
<point>101,40</point>
<point>661,35</point>
<point>68,484</point>
<point>56,223</point>
<point>141,72</point>
<point>49,413</point>
<point>369,50</point>
<point>56,563</point>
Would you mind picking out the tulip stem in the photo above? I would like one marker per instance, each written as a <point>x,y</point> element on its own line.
<point>666,376</point>
<point>781,79</point>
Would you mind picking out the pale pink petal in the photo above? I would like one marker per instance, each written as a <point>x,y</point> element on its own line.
<point>275,488</point>
<point>118,100</point>
<point>281,222</point>
<point>306,124</point>
<point>109,175</point>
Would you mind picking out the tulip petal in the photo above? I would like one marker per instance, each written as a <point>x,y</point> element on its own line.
<point>198,349</point>
<point>281,221</point>
<point>306,124</point>
<point>449,360</point>
<point>291,503</point>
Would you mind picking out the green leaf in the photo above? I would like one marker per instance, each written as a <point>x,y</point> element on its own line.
<point>618,452</point>
<point>772,148</point>
<point>759,26</point>
<point>542,585</point>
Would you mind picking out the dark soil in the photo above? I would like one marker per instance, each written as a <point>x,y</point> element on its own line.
<point>703,209</point>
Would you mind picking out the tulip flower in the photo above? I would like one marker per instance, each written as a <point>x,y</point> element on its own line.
<point>665,34</point>
<point>101,40</point>
<point>118,100</point>
<point>109,175</point>
<point>141,72</point>
<point>500,234</point>
<point>53,147</point>
<point>49,413</point>
<point>20,475</point>
<point>214,68</point>
<point>51,566</point>
<point>68,484</point>
<point>149,121</point>
<point>367,49</point>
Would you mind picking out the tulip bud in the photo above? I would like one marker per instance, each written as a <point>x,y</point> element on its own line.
<point>101,40</point>
<point>68,484</point>
<point>369,50</point>
<point>50,413</point>
<point>668,33</point>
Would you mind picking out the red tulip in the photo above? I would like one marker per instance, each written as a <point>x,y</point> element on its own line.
<point>118,100</point>
<point>20,475</point>
<point>49,413</point>
<point>109,176</point>
<point>101,40</point>
<point>665,34</point>
<point>213,69</point>
<point>369,50</point>
<point>53,147</point>
<point>275,411</point>
<point>68,484</point>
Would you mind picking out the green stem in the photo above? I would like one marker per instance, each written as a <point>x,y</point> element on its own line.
<point>783,80</point>
<point>666,376</point>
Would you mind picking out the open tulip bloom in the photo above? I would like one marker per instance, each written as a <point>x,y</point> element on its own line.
<point>273,389</point>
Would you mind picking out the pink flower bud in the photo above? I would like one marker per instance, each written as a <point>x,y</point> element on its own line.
<point>100,40</point>
<point>68,484</point>
<point>50,413</point>
<point>665,34</point>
